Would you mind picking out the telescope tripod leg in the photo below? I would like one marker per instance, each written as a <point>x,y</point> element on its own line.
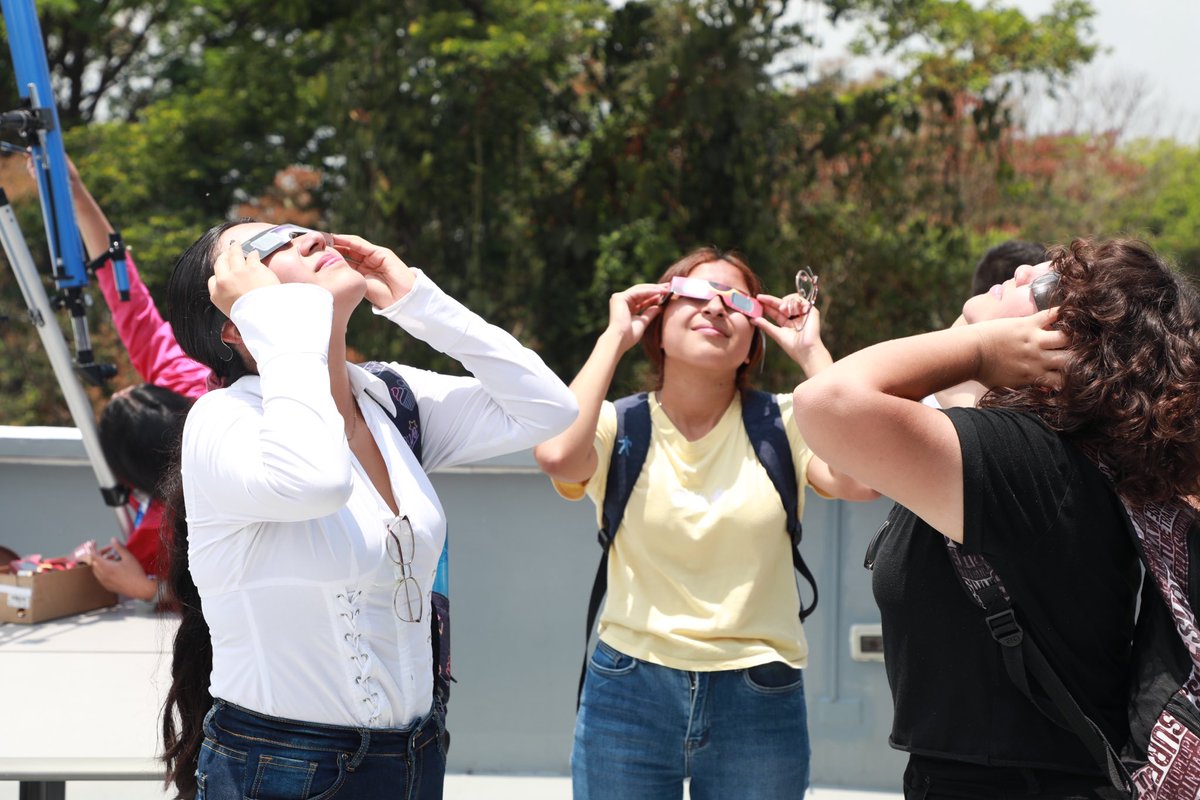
<point>42,317</point>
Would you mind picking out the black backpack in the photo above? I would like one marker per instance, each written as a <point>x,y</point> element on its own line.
<point>764,427</point>
<point>1161,759</point>
<point>408,421</point>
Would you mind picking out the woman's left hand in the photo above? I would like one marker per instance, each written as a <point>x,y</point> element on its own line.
<point>1021,351</point>
<point>388,278</point>
<point>795,325</point>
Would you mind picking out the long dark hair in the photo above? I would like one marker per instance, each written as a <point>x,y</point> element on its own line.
<point>188,700</point>
<point>195,320</point>
<point>139,434</point>
<point>652,338</point>
<point>197,324</point>
<point>1131,389</point>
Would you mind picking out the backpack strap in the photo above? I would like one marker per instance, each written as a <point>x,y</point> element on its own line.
<point>764,426</point>
<point>1023,660</point>
<point>630,448</point>
<point>407,420</point>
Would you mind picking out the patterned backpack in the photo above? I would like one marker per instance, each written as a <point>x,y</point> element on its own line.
<point>408,422</point>
<point>1161,760</point>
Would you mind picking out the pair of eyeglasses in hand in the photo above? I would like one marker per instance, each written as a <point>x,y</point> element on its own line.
<point>806,287</point>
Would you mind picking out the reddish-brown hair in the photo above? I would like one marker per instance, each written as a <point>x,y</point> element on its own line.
<point>652,338</point>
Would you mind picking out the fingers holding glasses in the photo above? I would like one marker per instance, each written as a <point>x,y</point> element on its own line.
<point>789,311</point>
<point>630,311</point>
<point>794,323</point>
<point>1021,351</point>
<point>236,274</point>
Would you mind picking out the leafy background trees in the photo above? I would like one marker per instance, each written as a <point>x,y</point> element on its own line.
<point>536,155</point>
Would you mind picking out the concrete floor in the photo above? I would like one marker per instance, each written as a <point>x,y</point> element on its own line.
<point>458,787</point>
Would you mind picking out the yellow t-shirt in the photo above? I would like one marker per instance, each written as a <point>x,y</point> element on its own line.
<point>700,572</point>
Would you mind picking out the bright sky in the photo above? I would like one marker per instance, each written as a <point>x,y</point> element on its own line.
<point>1153,50</point>
<point>1145,80</point>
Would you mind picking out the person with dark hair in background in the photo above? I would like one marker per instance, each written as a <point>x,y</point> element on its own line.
<point>1000,262</point>
<point>1092,360</point>
<point>697,673</point>
<point>139,429</point>
<point>997,266</point>
<point>308,534</point>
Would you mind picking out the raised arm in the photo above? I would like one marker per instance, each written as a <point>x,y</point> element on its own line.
<point>288,459</point>
<point>964,395</point>
<point>511,402</point>
<point>795,325</point>
<point>148,338</point>
<point>863,415</point>
<point>570,457</point>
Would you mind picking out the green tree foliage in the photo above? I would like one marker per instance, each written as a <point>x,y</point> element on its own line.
<point>445,143</point>
<point>535,156</point>
<point>1168,212</point>
<point>899,174</point>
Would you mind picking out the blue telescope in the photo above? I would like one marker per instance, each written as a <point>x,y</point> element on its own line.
<point>36,121</point>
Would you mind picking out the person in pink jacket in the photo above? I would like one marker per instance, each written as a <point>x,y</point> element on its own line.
<point>139,427</point>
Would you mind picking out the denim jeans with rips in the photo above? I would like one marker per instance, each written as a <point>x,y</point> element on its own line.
<point>643,728</point>
<point>250,755</point>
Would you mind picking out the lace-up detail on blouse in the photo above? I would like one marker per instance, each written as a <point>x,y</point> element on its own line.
<point>362,661</point>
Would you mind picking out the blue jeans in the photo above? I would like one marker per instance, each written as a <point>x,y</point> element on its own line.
<point>250,755</point>
<point>642,729</point>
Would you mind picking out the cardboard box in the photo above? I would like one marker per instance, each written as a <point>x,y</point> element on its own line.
<point>50,595</point>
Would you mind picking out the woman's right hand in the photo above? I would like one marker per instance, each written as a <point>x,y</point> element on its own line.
<point>630,311</point>
<point>235,274</point>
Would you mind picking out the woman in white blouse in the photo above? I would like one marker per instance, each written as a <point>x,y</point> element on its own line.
<point>304,557</point>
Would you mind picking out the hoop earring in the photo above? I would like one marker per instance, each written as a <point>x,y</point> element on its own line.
<point>228,350</point>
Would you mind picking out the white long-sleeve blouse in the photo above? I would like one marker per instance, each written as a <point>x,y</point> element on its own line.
<point>287,535</point>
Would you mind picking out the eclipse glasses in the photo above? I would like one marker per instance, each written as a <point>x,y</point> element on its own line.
<point>700,289</point>
<point>277,238</point>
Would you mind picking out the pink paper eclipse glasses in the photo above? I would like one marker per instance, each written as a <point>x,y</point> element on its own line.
<point>700,289</point>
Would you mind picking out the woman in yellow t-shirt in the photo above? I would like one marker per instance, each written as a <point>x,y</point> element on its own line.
<point>697,670</point>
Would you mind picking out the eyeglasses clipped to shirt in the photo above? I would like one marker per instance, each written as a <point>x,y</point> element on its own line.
<point>408,600</point>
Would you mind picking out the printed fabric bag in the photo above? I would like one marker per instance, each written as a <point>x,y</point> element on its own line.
<point>1161,760</point>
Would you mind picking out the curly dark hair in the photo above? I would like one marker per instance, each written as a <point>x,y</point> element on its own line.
<point>1131,389</point>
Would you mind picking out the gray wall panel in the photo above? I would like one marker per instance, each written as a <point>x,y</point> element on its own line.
<point>522,561</point>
